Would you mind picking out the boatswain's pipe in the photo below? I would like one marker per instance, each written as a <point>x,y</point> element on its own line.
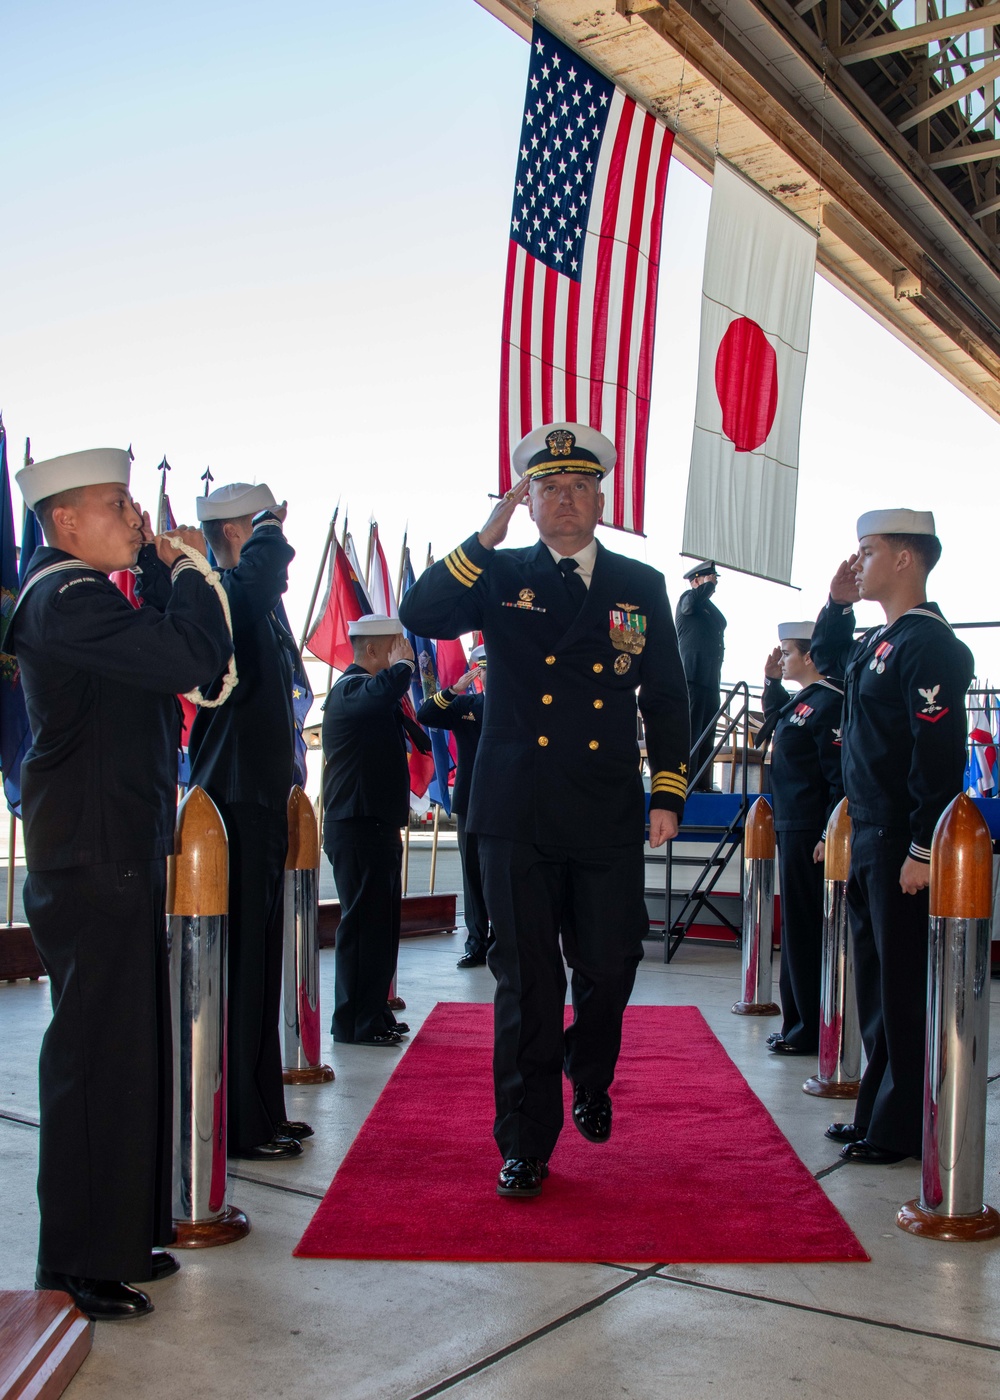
<point>301,1059</point>
<point>958,1028</point>
<point>839,1033</point>
<point>758,913</point>
<point>197,909</point>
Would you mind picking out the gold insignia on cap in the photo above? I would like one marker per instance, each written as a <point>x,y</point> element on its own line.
<point>560,442</point>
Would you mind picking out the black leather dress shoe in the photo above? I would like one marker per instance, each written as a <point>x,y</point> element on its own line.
<point>774,1037</point>
<point>293,1129</point>
<point>522,1176</point>
<point>843,1132</point>
<point>389,1038</point>
<point>274,1151</point>
<point>782,1047</point>
<point>400,1028</point>
<point>101,1299</point>
<point>592,1113</point>
<point>472,960</point>
<point>162,1265</point>
<point>866,1152</point>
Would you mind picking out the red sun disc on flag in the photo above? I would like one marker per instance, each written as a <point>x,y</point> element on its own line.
<point>746,381</point>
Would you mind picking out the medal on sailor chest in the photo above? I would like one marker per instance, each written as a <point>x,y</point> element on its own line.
<point>627,633</point>
<point>877,663</point>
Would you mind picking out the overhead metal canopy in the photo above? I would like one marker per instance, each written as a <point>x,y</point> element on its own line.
<point>879,123</point>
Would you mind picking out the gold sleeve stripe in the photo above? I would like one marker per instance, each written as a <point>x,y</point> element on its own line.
<point>455,568</point>
<point>466,562</point>
<point>440,700</point>
<point>669,782</point>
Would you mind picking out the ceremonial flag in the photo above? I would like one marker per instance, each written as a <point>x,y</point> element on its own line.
<point>380,589</point>
<point>424,684</point>
<point>302,697</point>
<point>981,772</point>
<point>15,732</point>
<point>31,539</point>
<point>345,601</point>
<point>756,305</point>
<point>579,306</point>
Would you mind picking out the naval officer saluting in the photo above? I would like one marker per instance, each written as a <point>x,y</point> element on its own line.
<point>99,788</point>
<point>572,631</point>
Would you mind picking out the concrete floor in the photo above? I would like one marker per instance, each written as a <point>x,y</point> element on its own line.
<point>248,1320</point>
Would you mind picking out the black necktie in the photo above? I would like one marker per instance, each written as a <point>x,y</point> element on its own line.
<point>575,586</point>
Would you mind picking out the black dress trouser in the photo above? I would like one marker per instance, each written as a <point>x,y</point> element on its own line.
<point>593,898</point>
<point>258,845</point>
<point>801,937</point>
<point>367,860</point>
<point>477,920</point>
<point>105,1068</point>
<point>889,930</point>
<point>703,705</point>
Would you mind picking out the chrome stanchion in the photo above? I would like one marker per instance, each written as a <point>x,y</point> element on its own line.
<point>958,1028</point>
<point>301,1058</point>
<point>197,908</point>
<point>839,1074</point>
<point>758,913</point>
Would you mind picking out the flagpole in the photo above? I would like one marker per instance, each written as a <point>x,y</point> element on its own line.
<point>434,844</point>
<point>372,527</point>
<point>406,854</point>
<point>11,848</point>
<point>430,556</point>
<point>330,535</point>
<point>343,536</point>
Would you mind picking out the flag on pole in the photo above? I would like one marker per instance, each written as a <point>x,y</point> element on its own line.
<point>380,589</point>
<point>981,772</point>
<point>579,308</point>
<point>15,732</point>
<point>31,539</point>
<point>424,684</point>
<point>346,600</point>
<point>756,305</point>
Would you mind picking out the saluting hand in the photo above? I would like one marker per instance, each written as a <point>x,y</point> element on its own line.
<point>844,584</point>
<point>772,666</point>
<point>400,650</point>
<point>494,532</point>
<point>465,681</point>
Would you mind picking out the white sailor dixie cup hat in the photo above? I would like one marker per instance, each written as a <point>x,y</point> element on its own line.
<point>896,522</point>
<point>234,501</point>
<point>795,631</point>
<point>564,447</point>
<point>374,625</point>
<point>98,466</point>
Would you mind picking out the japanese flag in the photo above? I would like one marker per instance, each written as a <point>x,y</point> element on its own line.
<point>755,311</point>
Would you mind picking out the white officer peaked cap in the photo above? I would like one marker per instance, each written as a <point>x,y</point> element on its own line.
<point>896,522</point>
<point>96,467</point>
<point>564,447</point>
<point>233,501</point>
<point>374,625</point>
<point>477,656</point>
<point>795,631</point>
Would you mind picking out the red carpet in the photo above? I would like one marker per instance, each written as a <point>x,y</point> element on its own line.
<point>696,1170</point>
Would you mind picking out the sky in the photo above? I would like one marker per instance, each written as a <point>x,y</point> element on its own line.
<point>272,241</point>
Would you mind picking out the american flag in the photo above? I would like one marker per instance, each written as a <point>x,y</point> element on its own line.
<point>580,302</point>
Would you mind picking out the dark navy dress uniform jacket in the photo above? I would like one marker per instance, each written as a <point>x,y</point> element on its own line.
<point>904,716</point>
<point>806,777</point>
<point>558,760</point>
<point>463,715</point>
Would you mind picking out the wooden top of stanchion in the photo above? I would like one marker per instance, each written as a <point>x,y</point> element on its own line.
<point>758,834</point>
<point>961,863</point>
<point>837,860</point>
<point>198,871</point>
<point>303,833</point>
